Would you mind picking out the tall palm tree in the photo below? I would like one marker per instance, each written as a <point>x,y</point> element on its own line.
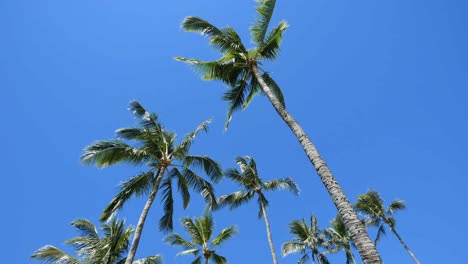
<point>338,240</point>
<point>372,205</point>
<point>308,241</point>
<point>155,147</point>
<point>239,68</point>
<point>200,232</point>
<point>90,248</point>
<point>253,185</point>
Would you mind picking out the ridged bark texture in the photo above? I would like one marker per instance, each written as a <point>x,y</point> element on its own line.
<point>356,229</point>
<point>404,245</point>
<point>144,214</point>
<point>270,239</point>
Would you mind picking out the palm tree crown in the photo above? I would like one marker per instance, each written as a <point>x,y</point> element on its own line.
<point>154,147</point>
<point>253,185</point>
<point>234,67</point>
<point>90,248</point>
<point>308,241</point>
<point>372,206</point>
<point>201,232</point>
<point>338,239</point>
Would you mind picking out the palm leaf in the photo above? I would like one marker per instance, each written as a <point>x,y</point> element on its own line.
<point>224,235</point>
<point>236,98</point>
<point>282,184</point>
<point>165,223</point>
<point>193,231</point>
<point>176,239</point>
<point>218,259</point>
<point>183,148</point>
<point>270,49</point>
<point>109,152</point>
<point>235,199</point>
<point>182,186</point>
<point>135,186</point>
<point>54,255</point>
<point>258,30</point>
<point>149,260</point>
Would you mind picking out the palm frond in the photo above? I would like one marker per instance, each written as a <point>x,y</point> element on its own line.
<point>209,166</point>
<point>52,254</point>
<point>199,184</point>
<point>193,251</point>
<point>224,40</point>
<point>236,99</point>
<point>258,30</point>
<point>176,239</point>
<point>165,223</point>
<point>292,247</point>
<point>146,119</point>
<point>396,206</point>
<point>274,88</point>
<point>381,231</point>
<point>193,231</point>
<point>227,71</point>
<point>235,199</point>
<point>218,259</point>
<point>205,225</point>
<point>282,184</point>
<point>254,90</point>
<point>270,48</point>
<point>224,235</point>
<point>136,186</point>
<point>197,260</point>
<point>86,228</point>
<point>109,152</point>
<point>262,201</point>
<point>183,148</point>
<point>182,186</point>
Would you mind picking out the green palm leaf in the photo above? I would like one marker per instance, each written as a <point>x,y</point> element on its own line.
<point>258,30</point>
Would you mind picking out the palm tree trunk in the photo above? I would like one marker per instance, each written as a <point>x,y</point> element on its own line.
<point>404,245</point>
<point>141,221</point>
<point>270,239</point>
<point>356,229</point>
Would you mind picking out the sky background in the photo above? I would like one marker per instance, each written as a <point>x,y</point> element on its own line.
<point>379,86</point>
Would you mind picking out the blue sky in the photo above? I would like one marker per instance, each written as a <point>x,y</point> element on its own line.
<point>380,87</point>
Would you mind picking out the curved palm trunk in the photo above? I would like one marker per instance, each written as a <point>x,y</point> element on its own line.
<point>404,245</point>
<point>141,221</point>
<point>270,239</point>
<point>356,229</point>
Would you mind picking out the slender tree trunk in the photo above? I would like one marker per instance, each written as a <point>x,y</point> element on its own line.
<point>319,259</point>
<point>356,229</point>
<point>141,221</point>
<point>404,245</point>
<point>270,239</point>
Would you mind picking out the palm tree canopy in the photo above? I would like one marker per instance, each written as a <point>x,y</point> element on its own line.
<point>234,66</point>
<point>249,179</point>
<point>201,242</point>
<point>152,145</point>
<point>90,248</point>
<point>372,206</point>
<point>339,240</point>
<point>309,239</point>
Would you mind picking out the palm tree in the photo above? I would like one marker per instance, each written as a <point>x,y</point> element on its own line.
<point>248,178</point>
<point>200,232</point>
<point>239,68</point>
<point>92,249</point>
<point>338,239</point>
<point>308,240</point>
<point>154,147</point>
<point>372,205</point>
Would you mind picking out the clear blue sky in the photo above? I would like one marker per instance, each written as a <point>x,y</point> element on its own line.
<point>380,86</point>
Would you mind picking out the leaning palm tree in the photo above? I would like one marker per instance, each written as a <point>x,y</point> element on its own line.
<point>339,240</point>
<point>155,147</point>
<point>372,205</point>
<point>90,248</point>
<point>240,68</point>
<point>253,185</point>
<point>308,241</point>
<point>200,232</point>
